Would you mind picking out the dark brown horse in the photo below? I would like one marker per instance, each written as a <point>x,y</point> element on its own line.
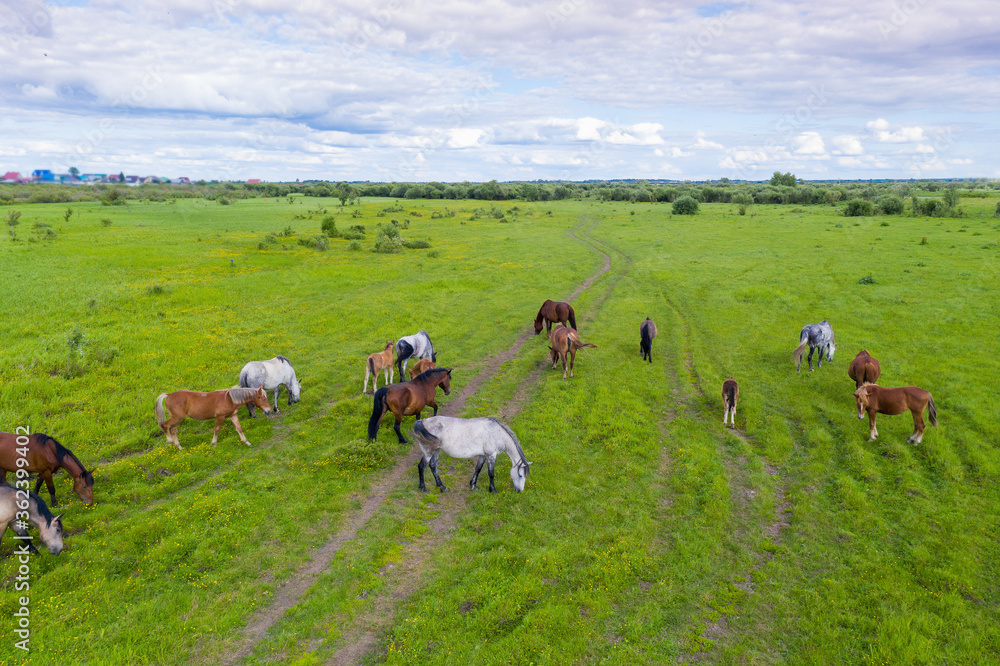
<point>864,369</point>
<point>647,331</point>
<point>202,406</point>
<point>730,396</point>
<point>565,341</point>
<point>45,456</point>
<point>876,399</point>
<point>552,312</point>
<point>408,398</point>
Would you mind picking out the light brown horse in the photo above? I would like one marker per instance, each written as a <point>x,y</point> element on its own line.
<point>565,341</point>
<point>552,312</point>
<point>45,456</point>
<point>408,398</point>
<point>876,399</point>
<point>379,362</point>
<point>864,369</point>
<point>730,395</point>
<point>423,365</point>
<point>202,406</point>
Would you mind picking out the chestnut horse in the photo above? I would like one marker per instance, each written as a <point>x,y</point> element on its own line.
<point>730,394</point>
<point>552,312</point>
<point>565,341</point>
<point>408,398</point>
<point>864,369</point>
<point>379,362</point>
<point>647,331</point>
<point>876,399</point>
<point>423,365</point>
<point>202,406</point>
<point>46,456</point>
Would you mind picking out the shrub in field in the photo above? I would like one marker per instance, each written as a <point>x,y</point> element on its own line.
<point>685,205</point>
<point>316,242</point>
<point>113,197</point>
<point>996,213</point>
<point>329,227</point>
<point>859,208</point>
<point>13,219</point>
<point>416,244</point>
<point>434,254</point>
<point>935,208</point>
<point>354,245</point>
<point>388,241</point>
<point>156,289</point>
<point>743,200</point>
<point>890,204</point>
<point>106,221</point>
<point>868,279</point>
<point>76,339</point>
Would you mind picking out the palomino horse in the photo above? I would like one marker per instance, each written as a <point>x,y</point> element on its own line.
<point>417,345</point>
<point>565,341</point>
<point>815,336</point>
<point>408,398</point>
<point>22,505</point>
<point>864,369</point>
<point>272,374</point>
<point>876,399</point>
<point>730,394</point>
<point>551,313</point>
<point>647,331</point>
<point>482,438</point>
<point>423,365</point>
<point>218,405</point>
<point>45,456</point>
<point>379,362</point>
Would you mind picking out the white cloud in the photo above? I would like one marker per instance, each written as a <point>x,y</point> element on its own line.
<point>923,148</point>
<point>466,138</point>
<point>846,144</point>
<point>702,143</point>
<point>880,130</point>
<point>960,160</point>
<point>809,143</point>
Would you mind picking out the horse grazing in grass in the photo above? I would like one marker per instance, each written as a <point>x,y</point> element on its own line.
<point>417,345</point>
<point>565,341</point>
<point>482,438</point>
<point>218,405</point>
<point>421,366</point>
<point>551,313</point>
<point>379,362</point>
<point>45,456</point>
<point>864,369</point>
<point>272,374</point>
<point>730,394</point>
<point>22,505</point>
<point>876,399</point>
<point>408,398</point>
<point>647,331</point>
<point>815,336</point>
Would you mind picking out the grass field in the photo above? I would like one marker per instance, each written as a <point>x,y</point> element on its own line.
<point>647,532</point>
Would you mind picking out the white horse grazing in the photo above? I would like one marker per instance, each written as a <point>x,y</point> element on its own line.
<point>417,345</point>
<point>271,374</point>
<point>482,438</point>
<point>26,505</point>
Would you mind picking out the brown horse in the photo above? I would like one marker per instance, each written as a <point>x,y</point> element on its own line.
<point>408,398</point>
<point>647,331</point>
<point>46,456</point>
<point>423,365</point>
<point>379,362</point>
<point>565,341</point>
<point>218,405</point>
<point>864,369</point>
<point>875,399</point>
<point>552,312</point>
<point>730,394</point>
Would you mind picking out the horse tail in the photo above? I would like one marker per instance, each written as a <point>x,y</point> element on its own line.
<point>423,433</point>
<point>378,409</point>
<point>161,418</point>
<point>932,412</point>
<point>572,318</point>
<point>797,354</point>
<point>404,350</point>
<point>729,395</point>
<point>869,375</point>
<point>371,365</point>
<point>244,378</point>
<point>644,342</point>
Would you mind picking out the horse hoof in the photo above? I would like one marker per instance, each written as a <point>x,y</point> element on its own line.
<point>443,489</point>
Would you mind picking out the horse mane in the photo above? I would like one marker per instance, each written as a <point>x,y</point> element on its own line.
<point>425,374</point>
<point>62,452</point>
<point>424,333</point>
<point>517,442</point>
<point>42,507</point>
<point>241,395</point>
<point>279,357</point>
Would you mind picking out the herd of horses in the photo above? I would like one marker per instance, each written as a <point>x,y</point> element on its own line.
<point>481,438</point>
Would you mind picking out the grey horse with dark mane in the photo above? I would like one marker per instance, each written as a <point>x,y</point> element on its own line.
<point>26,505</point>
<point>272,374</point>
<point>815,336</point>
<point>417,345</point>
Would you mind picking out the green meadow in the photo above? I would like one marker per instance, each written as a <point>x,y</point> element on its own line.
<point>647,532</point>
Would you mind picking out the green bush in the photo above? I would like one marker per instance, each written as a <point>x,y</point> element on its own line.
<point>890,204</point>
<point>319,243</point>
<point>388,241</point>
<point>685,205</point>
<point>859,208</point>
<point>416,244</point>
<point>354,245</point>
<point>329,226</point>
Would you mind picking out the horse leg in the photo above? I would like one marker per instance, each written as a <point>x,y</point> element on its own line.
<point>219,420</point>
<point>170,426</point>
<point>918,427</point>
<point>236,422</point>
<point>562,357</point>
<point>21,532</point>
<point>479,466</point>
<point>433,403</point>
<point>420,471</point>
<point>811,349</point>
<point>572,360</point>
<point>434,470</point>
<point>47,475</point>
<point>399,419</point>
<point>873,434</point>
<point>365,389</point>
<point>277,390</point>
<point>490,464</point>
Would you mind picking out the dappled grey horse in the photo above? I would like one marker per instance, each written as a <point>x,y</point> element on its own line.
<point>271,374</point>
<point>24,505</point>
<point>816,336</point>
<point>482,438</point>
<point>417,345</point>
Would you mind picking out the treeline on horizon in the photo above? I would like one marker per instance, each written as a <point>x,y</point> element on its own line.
<point>780,189</point>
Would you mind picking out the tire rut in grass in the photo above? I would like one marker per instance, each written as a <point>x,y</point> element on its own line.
<point>405,579</point>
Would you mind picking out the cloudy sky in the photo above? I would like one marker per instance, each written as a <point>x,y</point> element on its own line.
<point>456,90</point>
